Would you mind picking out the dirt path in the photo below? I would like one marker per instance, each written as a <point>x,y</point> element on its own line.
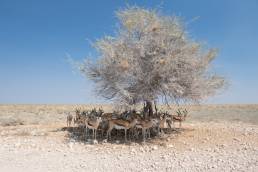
<point>199,147</point>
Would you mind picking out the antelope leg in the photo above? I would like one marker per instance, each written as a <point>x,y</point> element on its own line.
<point>86,131</point>
<point>143,134</point>
<point>125,135</point>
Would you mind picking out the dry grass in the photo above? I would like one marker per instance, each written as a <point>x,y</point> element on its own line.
<point>11,115</point>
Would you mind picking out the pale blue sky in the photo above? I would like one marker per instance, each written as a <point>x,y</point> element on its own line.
<point>35,37</point>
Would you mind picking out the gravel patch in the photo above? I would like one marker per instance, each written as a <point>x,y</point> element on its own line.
<point>199,147</point>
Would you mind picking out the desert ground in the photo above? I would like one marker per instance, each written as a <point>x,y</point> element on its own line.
<point>213,138</point>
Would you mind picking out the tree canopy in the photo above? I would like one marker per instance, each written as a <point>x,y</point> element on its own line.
<point>152,57</point>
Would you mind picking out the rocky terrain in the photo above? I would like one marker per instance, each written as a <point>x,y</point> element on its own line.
<point>202,144</point>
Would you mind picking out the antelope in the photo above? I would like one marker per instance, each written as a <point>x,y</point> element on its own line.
<point>146,125</point>
<point>109,116</point>
<point>92,124</point>
<point>79,124</point>
<point>100,112</point>
<point>105,119</point>
<point>104,123</point>
<point>69,120</point>
<point>77,116</point>
<point>162,123</point>
<point>120,124</point>
<point>180,117</point>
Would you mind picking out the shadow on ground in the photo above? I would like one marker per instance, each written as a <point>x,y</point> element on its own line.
<point>78,134</point>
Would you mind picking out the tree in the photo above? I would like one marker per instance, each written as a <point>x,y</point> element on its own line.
<point>151,57</point>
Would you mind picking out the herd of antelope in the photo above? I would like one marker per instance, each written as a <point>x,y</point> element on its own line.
<point>132,121</point>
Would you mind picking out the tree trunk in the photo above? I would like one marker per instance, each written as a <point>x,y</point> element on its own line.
<point>145,110</point>
<point>148,110</point>
<point>156,109</point>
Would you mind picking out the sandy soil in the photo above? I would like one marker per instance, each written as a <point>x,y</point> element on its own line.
<point>204,144</point>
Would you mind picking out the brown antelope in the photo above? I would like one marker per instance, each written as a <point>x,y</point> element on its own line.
<point>109,116</point>
<point>69,120</point>
<point>179,117</point>
<point>105,118</point>
<point>146,125</point>
<point>92,124</point>
<point>163,123</point>
<point>77,116</point>
<point>120,124</point>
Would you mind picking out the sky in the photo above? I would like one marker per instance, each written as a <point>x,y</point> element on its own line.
<point>37,36</point>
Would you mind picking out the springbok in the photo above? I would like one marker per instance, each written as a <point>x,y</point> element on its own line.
<point>92,124</point>
<point>106,117</point>
<point>120,124</point>
<point>163,123</point>
<point>146,125</point>
<point>179,117</point>
<point>69,119</point>
<point>77,116</point>
<point>109,116</point>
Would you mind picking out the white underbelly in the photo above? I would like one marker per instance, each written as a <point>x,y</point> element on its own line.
<point>119,127</point>
<point>90,127</point>
<point>138,126</point>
